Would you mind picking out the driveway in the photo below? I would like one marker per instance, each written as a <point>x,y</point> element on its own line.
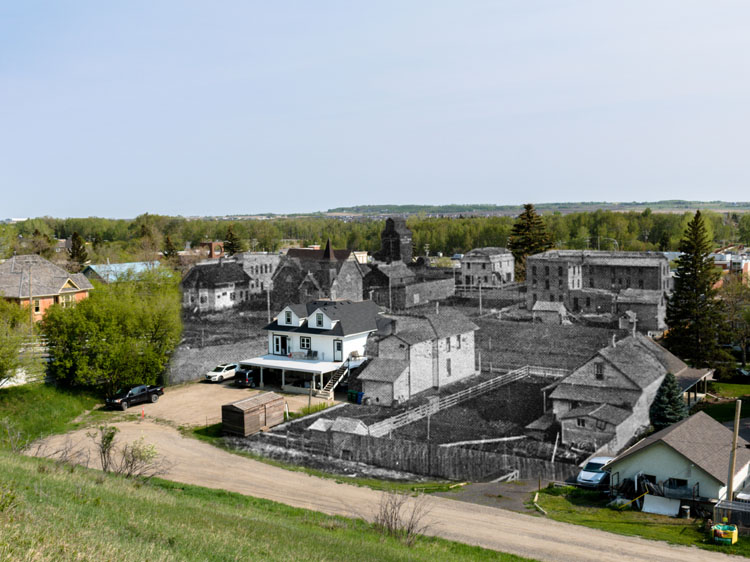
<point>200,403</point>
<point>196,462</point>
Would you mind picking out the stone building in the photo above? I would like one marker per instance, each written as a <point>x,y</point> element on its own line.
<point>417,353</point>
<point>214,286</point>
<point>489,267</point>
<point>396,286</point>
<point>591,281</point>
<point>395,242</point>
<point>260,266</point>
<point>305,275</point>
<point>606,400</point>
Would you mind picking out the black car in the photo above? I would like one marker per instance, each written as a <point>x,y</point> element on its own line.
<point>124,398</point>
<point>244,375</point>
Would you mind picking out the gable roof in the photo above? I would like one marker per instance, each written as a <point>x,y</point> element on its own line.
<point>427,327</point>
<point>327,254</point>
<point>701,440</point>
<point>488,251</point>
<point>603,412</point>
<point>209,275</point>
<point>113,271</point>
<point>352,317</point>
<point>549,306</point>
<point>47,279</point>
<point>383,370</point>
<point>639,296</point>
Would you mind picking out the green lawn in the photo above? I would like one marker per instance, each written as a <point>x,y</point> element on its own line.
<point>588,508</point>
<point>41,409</point>
<point>54,512</point>
<point>213,434</point>
<point>724,411</point>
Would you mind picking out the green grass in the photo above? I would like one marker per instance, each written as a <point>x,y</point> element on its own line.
<point>63,513</point>
<point>212,434</point>
<point>307,410</point>
<point>589,508</point>
<point>41,409</point>
<point>724,411</point>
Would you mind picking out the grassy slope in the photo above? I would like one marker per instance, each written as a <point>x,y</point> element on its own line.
<point>587,508</point>
<point>724,411</point>
<point>65,513</point>
<point>40,409</point>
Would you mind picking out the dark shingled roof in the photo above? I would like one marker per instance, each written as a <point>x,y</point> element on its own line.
<point>318,255</point>
<point>383,370</point>
<point>488,251</point>
<point>700,439</point>
<point>604,412</point>
<point>352,317</point>
<point>47,279</point>
<point>427,327</point>
<point>213,274</point>
<point>639,296</point>
<point>581,393</point>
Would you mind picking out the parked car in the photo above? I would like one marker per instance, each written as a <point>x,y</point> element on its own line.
<point>124,398</point>
<point>221,372</point>
<point>245,376</point>
<point>592,475</point>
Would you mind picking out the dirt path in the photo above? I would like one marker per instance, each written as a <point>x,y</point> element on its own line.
<point>196,462</point>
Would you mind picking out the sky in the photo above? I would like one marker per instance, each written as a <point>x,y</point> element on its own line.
<point>213,108</point>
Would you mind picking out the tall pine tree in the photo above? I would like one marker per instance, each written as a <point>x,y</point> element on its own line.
<point>668,406</point>
<point>232,243</point>
<point>528,237</point>
<point>695,315</point>
<point>77,253</point>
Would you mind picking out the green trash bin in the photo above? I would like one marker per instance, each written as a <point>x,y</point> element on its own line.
<point>352,396</point>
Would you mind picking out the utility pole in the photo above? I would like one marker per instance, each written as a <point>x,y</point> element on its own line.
<point>390,296</point>
<point>31,306</point>
<point>733,452</point>
<point>480,297</point>
<point>268,303</point>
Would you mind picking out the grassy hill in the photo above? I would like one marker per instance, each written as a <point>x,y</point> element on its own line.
<point>57,512</point>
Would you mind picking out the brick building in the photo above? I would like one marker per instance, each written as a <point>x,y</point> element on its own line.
<point>260,266</point>
<point>490,267</point>
<point>397,286</point>
<point>591,281</point>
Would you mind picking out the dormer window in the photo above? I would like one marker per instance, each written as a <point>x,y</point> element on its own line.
<point>599,371</point>
<point>288,316</point>
<point>319,319</point>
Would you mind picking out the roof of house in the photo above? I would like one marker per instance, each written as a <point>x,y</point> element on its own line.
<point>548,306</point>
<point>639,296</point>
<point>327,254</point>
<point>596,395</point>
<point>597,257</point>
<point>351,317</point>
<point>488,251</point>
<point>427,327</point>
<point>212,274</point>
<point>603,412</point>
<point>701,440</point>
<point>394,270</point>
<point>113,271</point>
<point>383,370</point>
<point>254,401</point>
<point>349,425</point>
<point>47,279</point>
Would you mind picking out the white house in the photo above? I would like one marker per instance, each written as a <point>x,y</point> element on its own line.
<point>689,459</point>
<point>316,339</point>
<point>423,352</point>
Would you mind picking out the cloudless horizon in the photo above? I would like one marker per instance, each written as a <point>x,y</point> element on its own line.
<point>188,108</point>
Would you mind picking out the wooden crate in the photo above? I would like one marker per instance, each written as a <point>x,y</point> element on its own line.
<point>251,415</point>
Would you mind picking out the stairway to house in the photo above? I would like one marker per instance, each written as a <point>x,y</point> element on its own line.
<point>328,389</point>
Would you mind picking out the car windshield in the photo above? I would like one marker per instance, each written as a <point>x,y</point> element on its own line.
<point>218,369</point>
<point>593,467</point>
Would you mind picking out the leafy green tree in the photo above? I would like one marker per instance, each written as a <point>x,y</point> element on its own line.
<point>232,243</point>
<point>77,253</point>
<point>170,251</point>
<point>13,329</point>
<point>668,406</point>
<point>529,236</point>
<point>122,335</point>
<point>695,316</point>
<point>735,293</point>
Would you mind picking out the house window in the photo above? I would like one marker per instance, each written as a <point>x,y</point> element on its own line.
<point>458,341</point>
<point>448,343</point>
<point>559,283</point>
<point>319,319</point>
<point>533,297</point>
<point>546,270</point>
<point>533,270</point>
<point>640,283</point>
<point>288,317</point>
<point>533,283</point>
<point>448,367</point>
<point>599,371</point>
<point>304,342</point>
<point>591,282</point>
<point>581,422</point>
<point>37,307</point>
<point>650,478</point>
<point>559,271</point>
<point>676,483</point>
<point>231,296</point>
<point>204,299</point>
<point>552,298</point>
<point>546,284</point>
<point>600,425</point>
<point>588,302</point>
<point>484,266</point>
<point>66,301</point>
<point>468,266</point>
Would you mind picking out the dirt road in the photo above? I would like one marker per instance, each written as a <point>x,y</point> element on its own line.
<point>196,462</point>
<point>200,403</point>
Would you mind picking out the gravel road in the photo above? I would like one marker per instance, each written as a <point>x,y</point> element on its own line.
<point>196,462</point>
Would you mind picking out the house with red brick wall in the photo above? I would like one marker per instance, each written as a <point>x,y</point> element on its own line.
<point>31,278</point>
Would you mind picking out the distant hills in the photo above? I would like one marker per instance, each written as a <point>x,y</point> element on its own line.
<point>669,206</point>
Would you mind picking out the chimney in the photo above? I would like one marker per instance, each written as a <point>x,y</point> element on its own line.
<point>614,343</point>
<point>437,308</point>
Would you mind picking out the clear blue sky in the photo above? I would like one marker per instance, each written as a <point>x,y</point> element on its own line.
<point>261,106</point>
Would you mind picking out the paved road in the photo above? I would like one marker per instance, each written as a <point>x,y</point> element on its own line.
<point>196,462</point>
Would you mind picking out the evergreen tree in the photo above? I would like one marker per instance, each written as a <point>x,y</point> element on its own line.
<point>170,252</point>
<point>695,315</point>
<point>77,252</point>
<point>668,406</point>
<point>232,243</point>
<point>529,236</point>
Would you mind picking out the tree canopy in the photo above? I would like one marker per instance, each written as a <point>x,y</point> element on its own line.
<point>77,252</point>
<point>121,335</point>
<point>529,236</point>
<point>13,328</point>
<point>695,315</point>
